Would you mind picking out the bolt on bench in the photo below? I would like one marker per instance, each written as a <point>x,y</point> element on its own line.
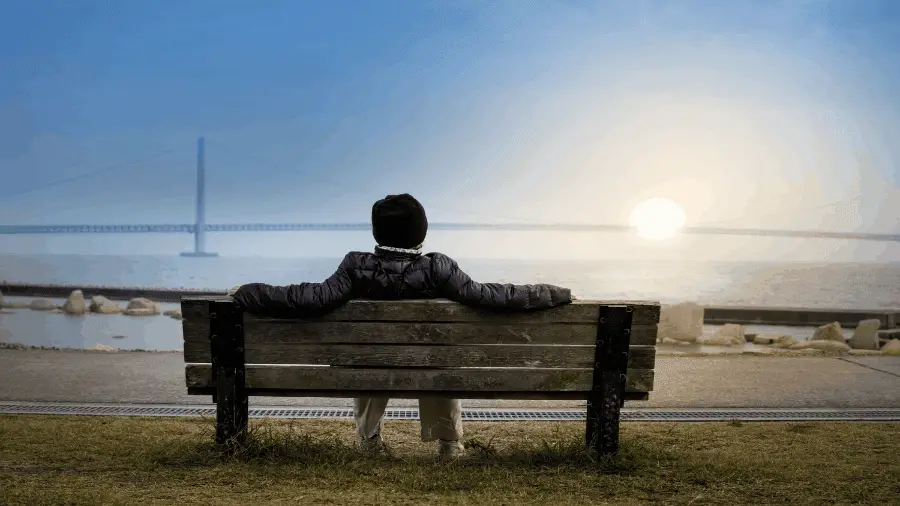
<point>602,352</point>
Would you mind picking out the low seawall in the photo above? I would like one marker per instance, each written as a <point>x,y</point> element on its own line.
<point>111,292</point>
<point>806,317</point>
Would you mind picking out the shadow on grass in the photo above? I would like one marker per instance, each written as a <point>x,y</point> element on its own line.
<point>288,444</point>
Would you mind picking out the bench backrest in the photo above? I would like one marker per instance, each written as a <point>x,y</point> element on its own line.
<point>404,348</point>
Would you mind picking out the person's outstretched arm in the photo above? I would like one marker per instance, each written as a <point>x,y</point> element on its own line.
<point>297,301</point>
<point>456,285</point>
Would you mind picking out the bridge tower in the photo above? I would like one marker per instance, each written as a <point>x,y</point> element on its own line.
<point>200,219</point>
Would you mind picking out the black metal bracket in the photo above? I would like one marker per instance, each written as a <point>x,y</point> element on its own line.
<point>607,394</point>
<point>226,328</point>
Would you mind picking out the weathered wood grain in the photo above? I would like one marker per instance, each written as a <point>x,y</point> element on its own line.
<point>267,330</point>
<point>440,310</point>
<point>410,394</point>
<point>349,379</point>
<point>389,355</point>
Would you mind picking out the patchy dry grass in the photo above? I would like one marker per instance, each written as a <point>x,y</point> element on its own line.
<point>110,460</point>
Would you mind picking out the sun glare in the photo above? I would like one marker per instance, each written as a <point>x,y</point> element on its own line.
<point>657,219</point>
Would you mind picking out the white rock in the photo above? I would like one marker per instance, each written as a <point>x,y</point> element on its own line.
<point>766,338</point>
<point>681,322</point>
<point>892,348</point>
<point>145,311</point>
<point>865,337</point>
<point>174,313</point>
<point>822,345</point>
<point>75,303</point>
<point>100,304</point>
<point>726,335</point>
<point>102,347</point>
<point>775,339</point>
<point>830,332</point>
<point>42,305</point>
<point>10,304</point>
<point>143,304</point>
<point>785,342</point>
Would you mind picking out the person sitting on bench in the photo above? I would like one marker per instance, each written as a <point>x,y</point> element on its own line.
<point>398,270</point>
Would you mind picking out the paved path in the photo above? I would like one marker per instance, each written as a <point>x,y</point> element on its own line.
<point>681,382</point>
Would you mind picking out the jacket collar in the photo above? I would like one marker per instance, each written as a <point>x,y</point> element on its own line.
<point>391,251</point>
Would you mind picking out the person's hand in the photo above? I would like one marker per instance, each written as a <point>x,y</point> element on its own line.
<point>234,290</point>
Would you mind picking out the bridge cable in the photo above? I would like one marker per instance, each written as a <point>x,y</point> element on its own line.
<point>102,170</point>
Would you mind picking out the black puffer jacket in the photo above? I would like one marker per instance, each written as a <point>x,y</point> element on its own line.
<point>388,275</point>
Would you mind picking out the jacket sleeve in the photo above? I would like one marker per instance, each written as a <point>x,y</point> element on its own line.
<point>297,301</point>
<point>456,285</point>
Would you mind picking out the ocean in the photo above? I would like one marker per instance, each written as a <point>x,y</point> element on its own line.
<point>839,285</point>
<point>859,286</point>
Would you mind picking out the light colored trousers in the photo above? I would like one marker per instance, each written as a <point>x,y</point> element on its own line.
<point>441,418</point>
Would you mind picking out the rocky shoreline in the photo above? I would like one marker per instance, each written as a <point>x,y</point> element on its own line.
<point>682,325</point>
<point>76,304</point>
<point>681,329</point>
<point>92,349</point>
<point>171,295</point>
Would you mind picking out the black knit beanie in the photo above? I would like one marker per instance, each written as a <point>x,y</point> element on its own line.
<point>398,221</point>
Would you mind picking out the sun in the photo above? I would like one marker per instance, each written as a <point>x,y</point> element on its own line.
<point>657,218</point>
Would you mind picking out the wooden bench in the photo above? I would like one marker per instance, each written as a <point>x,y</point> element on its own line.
<point>602,352</point>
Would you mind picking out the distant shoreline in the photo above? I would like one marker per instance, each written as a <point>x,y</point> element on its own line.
<point>504,260</point>
<point>786,316</point>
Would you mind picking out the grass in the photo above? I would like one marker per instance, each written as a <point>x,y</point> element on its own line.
<point>123,460</point>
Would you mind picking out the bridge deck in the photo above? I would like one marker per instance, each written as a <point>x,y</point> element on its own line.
<point>523,227</point>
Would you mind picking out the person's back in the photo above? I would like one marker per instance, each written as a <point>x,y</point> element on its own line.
<point>398,270</point>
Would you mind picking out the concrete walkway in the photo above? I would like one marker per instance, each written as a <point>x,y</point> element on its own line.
<point>681,382</point>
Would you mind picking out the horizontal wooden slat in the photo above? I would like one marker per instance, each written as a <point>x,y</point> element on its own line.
<point>407,394</point>
<point>350,379</point>
<point>440,310</point>
<point>389,355</point>
<point>268,330</point>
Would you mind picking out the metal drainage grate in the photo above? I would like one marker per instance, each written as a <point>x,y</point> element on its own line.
<point>489,415</point>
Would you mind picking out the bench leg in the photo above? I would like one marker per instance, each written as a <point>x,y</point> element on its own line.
<point>608,390</point>
<point>227,343</point>
<point>232,408</point>
<point>603,415</point>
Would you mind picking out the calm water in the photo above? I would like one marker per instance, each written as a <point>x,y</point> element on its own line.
<point>869,286</point>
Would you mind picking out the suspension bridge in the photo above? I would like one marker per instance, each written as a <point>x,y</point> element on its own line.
<point>200,227</point>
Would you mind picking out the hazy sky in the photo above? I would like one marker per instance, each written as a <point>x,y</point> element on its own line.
<point>747,112</point>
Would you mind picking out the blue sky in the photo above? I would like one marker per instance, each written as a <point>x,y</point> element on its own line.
<point>748,113</point>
